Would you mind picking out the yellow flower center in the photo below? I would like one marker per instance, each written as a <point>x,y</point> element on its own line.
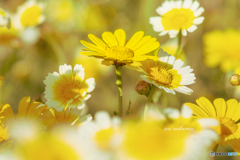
<point>120,53</point>
<point>103,137</point>
<point>161,75</point>
<point>228,126</point>
<point>70,91</point>
<point>30,16</point>
<point>177,19</point>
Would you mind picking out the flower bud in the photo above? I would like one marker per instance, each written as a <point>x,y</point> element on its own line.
<point>143,88</point>
<point>235,80</point>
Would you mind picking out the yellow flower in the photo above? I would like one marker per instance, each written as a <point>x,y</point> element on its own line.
<point>222,48</point>
<point>177,15</point>
<point>168,74</point>
<point>5,20</point>
<point>29,14</point>
<point>69,116</point>
<point>51,147</point>
<point>114,49</point>
<point>155,140</point>
<point>228,115</point>
<point>27,110</point>
<point>68,87</point>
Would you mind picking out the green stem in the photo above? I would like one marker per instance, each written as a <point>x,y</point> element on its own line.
<point>151,94</point>
<point>119,86</point>
<point>179,46</point>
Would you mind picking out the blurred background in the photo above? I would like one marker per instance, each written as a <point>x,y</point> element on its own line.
<point>26,57</point>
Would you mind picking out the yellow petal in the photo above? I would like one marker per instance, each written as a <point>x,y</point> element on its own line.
<point>97,41</point>
<point>231,108</point>
<point>107,62</point>
<point>220,106</point>
<point>121,36</point>
<point>236,116</point>
<point>92,47</point>
<point>6,112</point>
<point>149,46</point>
<point>144,40</point>
<point>136,38</point>
<point>109,39</point>
<point>235,143</point>
<point>23,106</point>
<point>207,106</point>
<point>198,111</point>
<point>92,54</point>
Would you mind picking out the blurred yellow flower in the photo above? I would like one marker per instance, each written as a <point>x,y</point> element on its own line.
<point>114,50</point>
<point>177,15</point>
<point>222,48</point>
<point>51,147</point>
<point>27,110</point>
<point>69,116</point>
<point>228,115</point>
<point>168,74</point>
<point>5,20</point>
<point>7,36</point>
<point>68,88</point>
<point>155,140</point>
<point>29,14</point>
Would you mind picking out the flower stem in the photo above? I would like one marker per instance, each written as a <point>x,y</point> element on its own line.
<point>119,86</point>
<point>149,100</point>
<point>215,148</point>
<point>179,47</point>
<point>150,96</point>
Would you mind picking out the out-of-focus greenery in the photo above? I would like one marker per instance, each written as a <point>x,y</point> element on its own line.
<point>25,65</point>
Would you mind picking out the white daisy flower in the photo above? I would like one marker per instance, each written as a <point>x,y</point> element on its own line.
<point>168,74</point>
<point>30,14</point>
<point>68,87</point>
<point>177,15</point>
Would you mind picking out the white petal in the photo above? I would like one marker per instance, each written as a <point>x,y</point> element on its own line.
<point>185,70</point>
<point>144,77</point>
<point>186,112</point>
<point>156,22</point>
<point>91,84</point>
<point>178,64</point>
<point>79,70</point>
<point>164,59</point>
<point>173,33</point>
<point>183,82</point>
<point>184,32</point>
<point>171,60</point>
<point>48,94</point>
<point>195,6</point>
<point>163,33</point>
<point>53,103</point>
<point>178,4</point>
<point>86,119</point>
<point>187,4</point>
<point>198,20</point>
<point>65,69</point>
<point>208,122</point>
<point>199,11</point>
<point>173,4</point>
<point>189,75</point>
<point>184,89</point>
<point>192,28</point>
<point>167,5</point>
<point>160,10</point>
<point>103,119</point>
<point>87,97</point>
<point>81,105</point>
<point>172,113</point>
<point>51,78</point>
